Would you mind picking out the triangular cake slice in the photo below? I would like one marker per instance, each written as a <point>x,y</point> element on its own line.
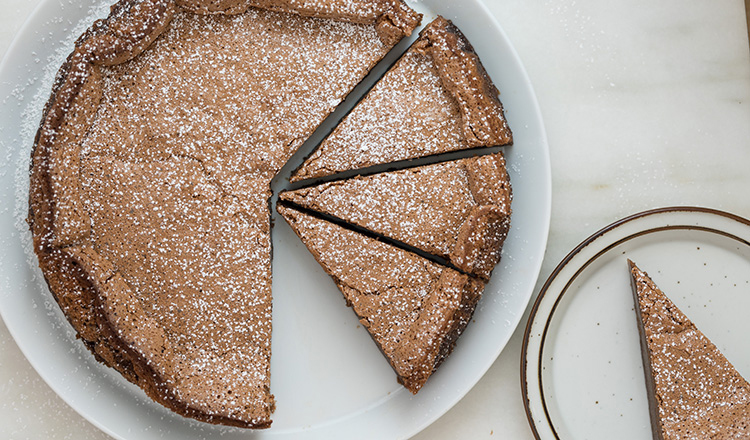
<point>151,175</point>
<point>413,308</point>
<point>694,392</point>
<point>437,98</point>
<point>457,210</point>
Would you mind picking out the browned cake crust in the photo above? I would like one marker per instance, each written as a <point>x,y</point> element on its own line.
<point>96,295</point>
<point>465,77</point>
<point>694,392</point>
<point>74,98</point>
<point>437,98</point>
<point>393,19</point>
<point>457,210</point>
<point>414,309</point>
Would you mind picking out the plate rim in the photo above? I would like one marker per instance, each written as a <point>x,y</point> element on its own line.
<point>569,257</point>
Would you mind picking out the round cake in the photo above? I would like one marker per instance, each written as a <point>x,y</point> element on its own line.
<point>150,180</point>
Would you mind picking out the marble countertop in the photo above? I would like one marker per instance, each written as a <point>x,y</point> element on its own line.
<point>646,105</point>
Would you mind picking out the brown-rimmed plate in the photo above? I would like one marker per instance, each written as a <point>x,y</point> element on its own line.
<point>581,370</point>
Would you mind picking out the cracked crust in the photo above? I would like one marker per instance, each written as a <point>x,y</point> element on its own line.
<point>457,210</point>
<point>694,391</point>
<point>437,98</point>
<point>480,240</point>
<point>97,298</point>
<point>414,309</point>
<point>130,28</point>
<point>464,76</point>
<point>69,283</point>
<point>444,316</point>
<point>392,18</point>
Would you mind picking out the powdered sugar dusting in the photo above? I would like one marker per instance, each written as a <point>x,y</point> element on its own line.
<point>436,99</point>
<point>407,114</point>
<point>175,171</point>
<point>698,392</point>
<point>406,302</point>
<point>424,207</point>
<point>32,114</point>
<point>456,210</point>
<point>384,285</point>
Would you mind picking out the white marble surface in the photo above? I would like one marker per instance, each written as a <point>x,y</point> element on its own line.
<point>646,104</point>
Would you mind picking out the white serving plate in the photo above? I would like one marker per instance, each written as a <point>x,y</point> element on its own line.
<point>582,374</point>
<point>329,379</point>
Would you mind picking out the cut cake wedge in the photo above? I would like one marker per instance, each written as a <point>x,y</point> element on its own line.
<point>413,308</point>
<point>457,210</point>
<point>694,392</point>
<point>437,98</point>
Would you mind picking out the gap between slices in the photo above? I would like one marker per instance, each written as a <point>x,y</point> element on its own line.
<point>694,392</point>
<point>457,210</point>
<point>368,233</point>
<point>455,213</point>
<point>437,98</point>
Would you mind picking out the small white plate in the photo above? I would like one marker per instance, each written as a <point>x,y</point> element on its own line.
<point>329,379</point>
<point>582,374</point>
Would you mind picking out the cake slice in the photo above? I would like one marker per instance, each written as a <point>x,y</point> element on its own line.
<point>437,98</point>
<point>414,309</point>
<point>457,210</point>
<point>694,392</point>
<point>150,179</point>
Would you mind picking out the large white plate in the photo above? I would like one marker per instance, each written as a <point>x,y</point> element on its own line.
<point>582,374</point>
<point>329,379</point>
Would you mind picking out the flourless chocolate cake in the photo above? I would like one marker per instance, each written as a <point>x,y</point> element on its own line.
<point>413,308</point>
<point>458,210</point>
<point>694,392</point>
<point>150,181</point>
<point>437,98</point>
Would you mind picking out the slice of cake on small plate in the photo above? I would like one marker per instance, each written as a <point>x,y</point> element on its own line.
<point>437,98</point>
<point>413,308</point>
<point>457,210</point>
<point>694,392</point>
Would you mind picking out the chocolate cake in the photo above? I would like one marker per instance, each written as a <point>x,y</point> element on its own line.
<point>694,392</point>
<point>150,181</point>
<point>457,210</point>
<point>437,98</point>
<point>414,309</point>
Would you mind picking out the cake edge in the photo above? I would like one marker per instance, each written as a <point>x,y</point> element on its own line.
<point>97,45</point>
<point>457,60</point>
<point>393,19</point>
<point>653,407</point>
<point>50,225</point>
<point>481,237</point>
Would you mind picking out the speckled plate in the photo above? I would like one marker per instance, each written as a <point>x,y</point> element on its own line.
<point>582,374</point>
<point>329,379</point>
